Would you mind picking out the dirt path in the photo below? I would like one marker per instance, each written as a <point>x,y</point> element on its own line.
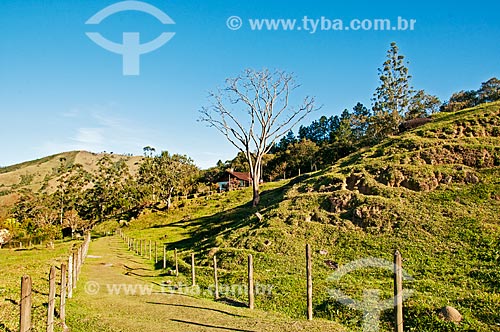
<point>119,291</point>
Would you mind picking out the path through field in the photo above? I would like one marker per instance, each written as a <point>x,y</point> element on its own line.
<point>119,291</point>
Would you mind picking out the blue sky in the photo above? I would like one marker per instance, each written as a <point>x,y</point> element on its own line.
<point>59,91</point>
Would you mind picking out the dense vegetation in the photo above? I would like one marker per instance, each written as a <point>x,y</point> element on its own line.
<point>431,192</point>
<point>80,197</point>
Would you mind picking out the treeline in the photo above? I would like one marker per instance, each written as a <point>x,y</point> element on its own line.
<point>82,199</point>
<point>329,139</point>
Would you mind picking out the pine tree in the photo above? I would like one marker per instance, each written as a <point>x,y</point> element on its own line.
<point>393,97</point>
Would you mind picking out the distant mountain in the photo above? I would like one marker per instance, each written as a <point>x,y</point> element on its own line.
<point>41,174</point>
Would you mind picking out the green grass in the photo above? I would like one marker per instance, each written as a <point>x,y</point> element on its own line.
<point>433,193</point>
<point>154,306</point>
<point>35,262</point>
<point>452,256</point>
<point>412,192</point>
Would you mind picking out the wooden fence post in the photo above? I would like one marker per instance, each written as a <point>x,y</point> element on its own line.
<point>164,257</point>
<point>62,303</point>
<point>70,277</point>
<point>216,279</point>
<point>176,263</point>
<point>398,291</point>
<point>52,297</point>
<point>78,262</point>
<point>75,263</point>
<point>25,304</point>
<point>250,282</point>
<point>309,282</point>
<point>150,249</point>
<point>193,273</point>
<point>156,253</point>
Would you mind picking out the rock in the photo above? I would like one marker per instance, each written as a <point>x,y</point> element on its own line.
<point>450,314</point>
<point>323,252</point>
<point>340,202</point>
<point>471,178</point>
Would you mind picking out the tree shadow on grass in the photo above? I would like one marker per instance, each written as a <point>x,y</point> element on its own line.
<point>128,268</point>
<point>203,231</point>
<point>210,326</point>
<point>12,301</point>
<point>232,302</point>
<point>196,307</point>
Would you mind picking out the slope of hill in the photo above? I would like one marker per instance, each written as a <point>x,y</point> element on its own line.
<point>41,174</point>
<point>433,193</point>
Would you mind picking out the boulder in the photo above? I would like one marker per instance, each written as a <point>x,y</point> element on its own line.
<point>450,314</point>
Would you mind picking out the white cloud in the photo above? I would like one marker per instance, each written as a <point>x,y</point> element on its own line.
<point>96,129</point>
<point>92,136</point>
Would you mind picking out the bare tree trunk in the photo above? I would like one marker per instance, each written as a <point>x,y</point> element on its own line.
<point>256,195</point>
<point>256,182</point>
<point>169,198</point>
<point>264,97</point>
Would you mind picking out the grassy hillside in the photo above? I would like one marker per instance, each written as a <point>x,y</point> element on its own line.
<point>433,193</point>
<point>41,174</point>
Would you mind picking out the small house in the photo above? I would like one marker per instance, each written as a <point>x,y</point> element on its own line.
<point>233,180</point>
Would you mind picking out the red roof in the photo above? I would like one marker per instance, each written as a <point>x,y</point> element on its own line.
<point>241,176</point>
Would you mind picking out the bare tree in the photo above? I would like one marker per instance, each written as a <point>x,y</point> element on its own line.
<point>253,112</point>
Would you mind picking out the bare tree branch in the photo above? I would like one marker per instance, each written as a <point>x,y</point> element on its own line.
<point>253,112</point>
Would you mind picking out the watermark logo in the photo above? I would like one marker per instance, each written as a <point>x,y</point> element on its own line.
<point>234,22</point>
<point>371,305</point>
<point>131,49</point>
<point>313,25</point>
<point>140,289</point>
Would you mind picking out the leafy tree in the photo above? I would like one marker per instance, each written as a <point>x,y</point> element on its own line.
<point>38,213</point>
<point>422,105</point>
<point>165,175</point>
<point>73,220</point>
<point>301,156</point>
<point>71,187</point>
<point>105,197</point>
<point>253,113</point>
<point>393,97</point>
<point>239,163</point>
<point>490,91</point>
<point>360,120</point>
<point>320,131</point>
<point>461,100</point>
<point>285,141</point>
